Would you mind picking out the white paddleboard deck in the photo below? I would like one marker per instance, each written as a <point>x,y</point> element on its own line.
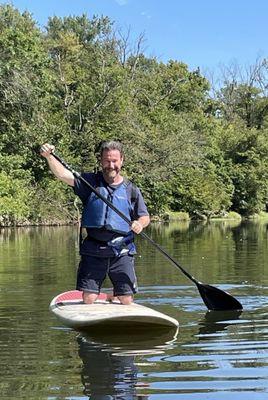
<point>69,308</point>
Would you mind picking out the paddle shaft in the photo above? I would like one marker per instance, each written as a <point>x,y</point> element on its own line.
<point>123,216</point>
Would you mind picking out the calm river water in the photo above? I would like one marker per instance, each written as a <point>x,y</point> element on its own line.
<point>215,355</point>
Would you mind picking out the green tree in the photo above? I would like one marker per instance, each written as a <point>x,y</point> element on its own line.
<point>78,83</point>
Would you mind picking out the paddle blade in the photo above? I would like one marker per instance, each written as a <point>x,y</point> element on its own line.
<point>218,300</point>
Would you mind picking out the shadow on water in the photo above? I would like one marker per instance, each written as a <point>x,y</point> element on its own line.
<point>110,370</point>
<point>217,321</point>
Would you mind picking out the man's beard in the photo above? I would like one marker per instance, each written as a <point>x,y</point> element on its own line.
<point>111,173</point>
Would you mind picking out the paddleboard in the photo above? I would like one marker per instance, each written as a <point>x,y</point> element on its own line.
<point>70,309</point>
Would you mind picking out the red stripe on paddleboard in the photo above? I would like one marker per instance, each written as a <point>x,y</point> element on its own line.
<point>76,295</point>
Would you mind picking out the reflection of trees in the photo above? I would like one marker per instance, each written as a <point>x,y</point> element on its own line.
<point>212,252</point>
<point>35,264</point>
<point>250,249</point>
<point>39,246</point>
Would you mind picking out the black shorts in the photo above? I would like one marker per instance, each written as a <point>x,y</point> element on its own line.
<point>93,270</point>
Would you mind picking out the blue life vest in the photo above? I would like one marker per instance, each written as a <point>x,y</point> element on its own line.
<point>97,214</point>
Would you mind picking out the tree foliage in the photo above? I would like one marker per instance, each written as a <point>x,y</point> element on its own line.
<point>78,83</point>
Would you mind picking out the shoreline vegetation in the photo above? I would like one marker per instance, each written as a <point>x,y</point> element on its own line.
<point>171,217</point>
<point>196,151</point>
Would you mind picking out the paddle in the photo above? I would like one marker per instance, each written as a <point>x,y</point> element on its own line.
<point>214,298</point>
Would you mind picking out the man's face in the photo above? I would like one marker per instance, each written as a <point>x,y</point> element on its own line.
<point>111,162</point>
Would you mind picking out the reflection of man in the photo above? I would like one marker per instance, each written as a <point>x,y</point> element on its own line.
<point>105,375</point>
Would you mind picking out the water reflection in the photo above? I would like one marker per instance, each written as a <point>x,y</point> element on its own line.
<point>217,321</point>
<point>110,370</point>
<point>216,355</point>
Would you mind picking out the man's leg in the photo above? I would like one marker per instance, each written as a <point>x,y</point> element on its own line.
<point>123,277</point>
<point>126,299</point>
<point>90,276</point>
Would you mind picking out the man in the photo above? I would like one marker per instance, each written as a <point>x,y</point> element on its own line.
<point>108,248</point>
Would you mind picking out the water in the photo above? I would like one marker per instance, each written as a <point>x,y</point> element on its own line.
<point>215,355</point>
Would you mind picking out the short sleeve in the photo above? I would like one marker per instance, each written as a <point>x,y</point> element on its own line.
<point>139,206</point>
<point>81,189</point>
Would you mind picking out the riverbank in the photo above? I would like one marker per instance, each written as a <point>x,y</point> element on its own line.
<point>171,216</point>
<point>228,216</point>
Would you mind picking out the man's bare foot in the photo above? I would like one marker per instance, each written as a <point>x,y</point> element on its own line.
<point>126,299</point>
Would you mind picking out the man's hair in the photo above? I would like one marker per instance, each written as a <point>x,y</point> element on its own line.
<point>111,145</point>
